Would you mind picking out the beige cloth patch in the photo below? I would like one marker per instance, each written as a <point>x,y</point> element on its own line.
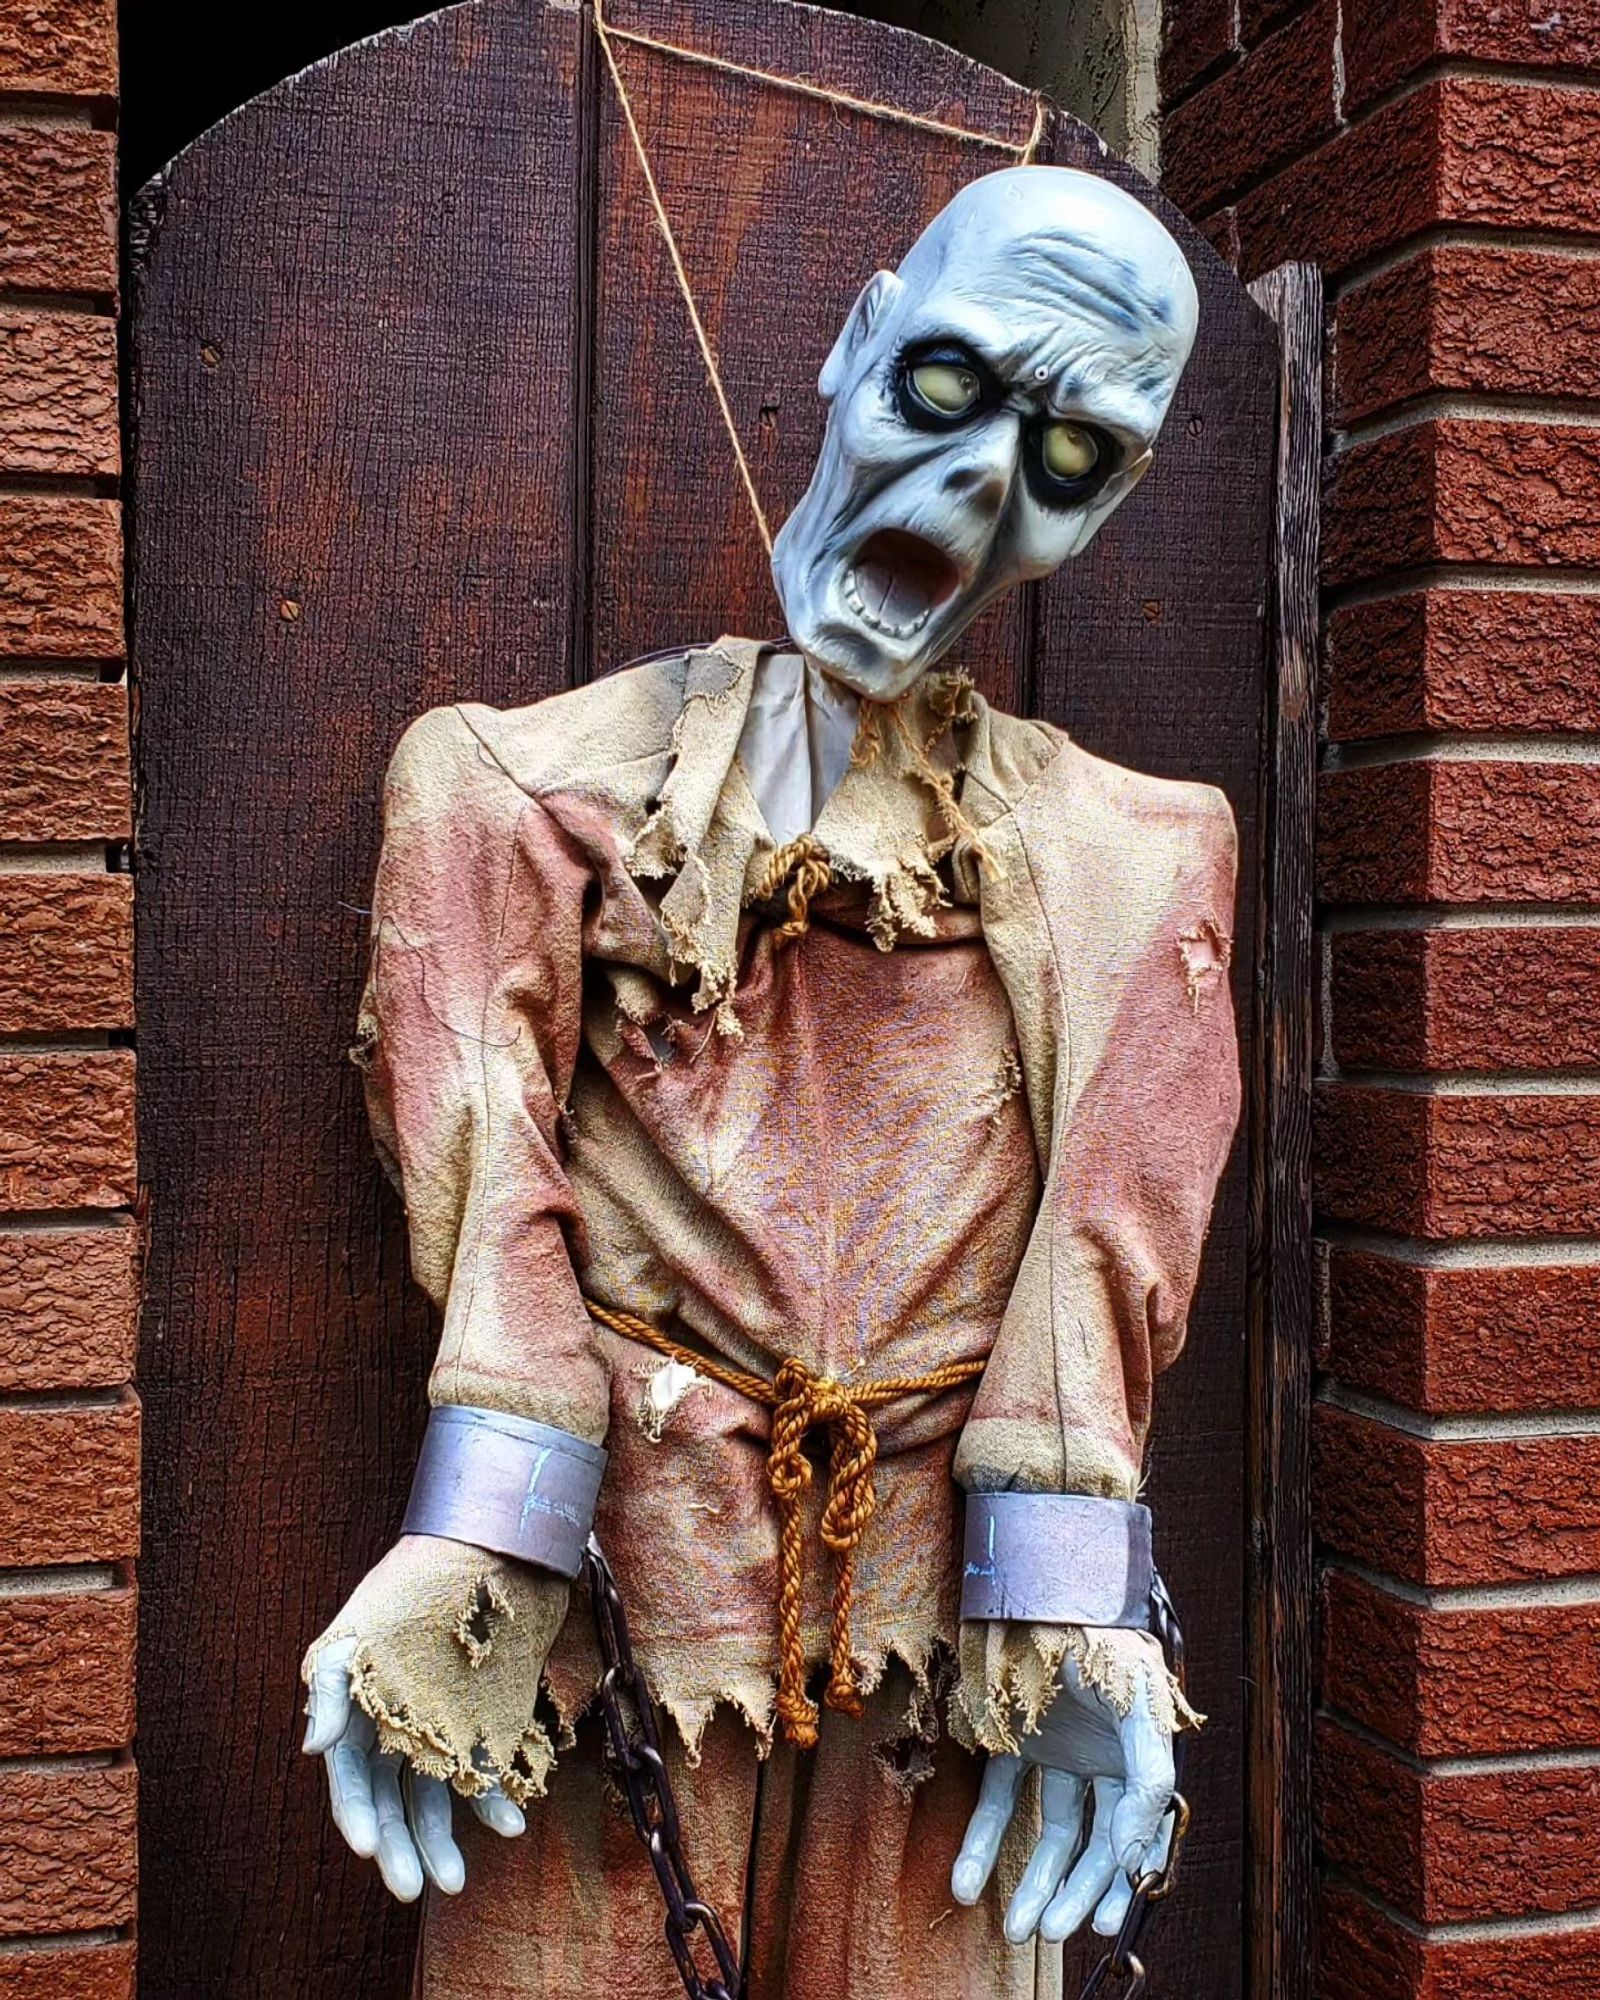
<point>452,1647</point>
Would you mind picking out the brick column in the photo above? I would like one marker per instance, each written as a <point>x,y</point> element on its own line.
<point>69,1423</point>
<point>1441,160</point>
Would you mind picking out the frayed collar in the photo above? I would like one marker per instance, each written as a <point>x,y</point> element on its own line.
<point>896,815</point>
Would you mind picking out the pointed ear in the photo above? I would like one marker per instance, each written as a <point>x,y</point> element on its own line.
<point>878,292</point>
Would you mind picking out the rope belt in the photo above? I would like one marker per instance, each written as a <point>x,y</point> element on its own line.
<point>800,1402</point>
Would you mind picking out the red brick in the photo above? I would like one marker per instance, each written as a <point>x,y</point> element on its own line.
<point>1365,1956</point>
<point>1456,1511</point>
<point>1468,999</point>
<point>61,593</point>
<point>1221,231</point>
<point>58,391</point>
<point>1274,104</point>
<point>63,761</point>
<point>1457,490</point>
<point>1467,150</point>
<point>1473,319</point>
<point>71,1491</point>
<point>1260,17</point>
<point>1457,1848</point>
<point>66,1130</point>
<point>1497,1337</point>
<point>1457,831</point>
<point>1371,187</point>
<point>1464,660</point>
<point>66,1661</point>
<point>66,952</point>
<point>1440,1166</point>
<point>59,48</point>
<point>1386,41</point>
<point>58,210</point>
<point>67,1970</point>
<point>67,1849</point>
<point>1451,1683</point>
<point>68,1307</point>
<point>1197,37</point>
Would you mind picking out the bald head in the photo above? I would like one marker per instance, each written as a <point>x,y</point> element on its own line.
<point>990,403</point>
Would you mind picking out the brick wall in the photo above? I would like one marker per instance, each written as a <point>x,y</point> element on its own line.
<point>1441,160</point>
<point>69,1423</point>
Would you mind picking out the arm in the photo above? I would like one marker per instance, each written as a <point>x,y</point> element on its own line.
<point>468,1037</point>
<point>1111,928</point>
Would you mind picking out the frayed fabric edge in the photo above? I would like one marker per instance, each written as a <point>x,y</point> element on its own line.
<point>1005,1706</point>
<point>434,1752</point>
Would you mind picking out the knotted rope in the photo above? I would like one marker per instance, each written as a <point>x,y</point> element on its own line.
<point>806,861</point>
<point>802,1401</point>
<point>606,34</point>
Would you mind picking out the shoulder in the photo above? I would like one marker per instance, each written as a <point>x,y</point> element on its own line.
<point>1103,803</point>
<point>1064,794</point>
<point>469,753</point>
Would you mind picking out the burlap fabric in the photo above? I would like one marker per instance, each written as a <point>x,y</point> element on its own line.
<point>979,1110</point>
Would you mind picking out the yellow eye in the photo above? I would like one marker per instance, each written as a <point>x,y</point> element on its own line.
<point>945,387</point>
<point>1070,451</point>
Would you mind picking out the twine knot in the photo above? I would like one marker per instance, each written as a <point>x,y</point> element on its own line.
<point>806,1402</point>
<point>805,861</point>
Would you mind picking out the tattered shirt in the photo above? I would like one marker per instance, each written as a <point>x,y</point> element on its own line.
<point>978,1111</point>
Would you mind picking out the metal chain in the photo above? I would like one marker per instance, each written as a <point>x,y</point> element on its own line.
<point>633,1732</point>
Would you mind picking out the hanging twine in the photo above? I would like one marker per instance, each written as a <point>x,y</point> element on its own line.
<point>867,107</point>
<point>802,1401</point>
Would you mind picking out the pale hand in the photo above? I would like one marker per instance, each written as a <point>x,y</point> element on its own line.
<point>1078,1868</point>
<point>387,1811</point>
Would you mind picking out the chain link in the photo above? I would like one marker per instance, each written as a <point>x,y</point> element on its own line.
<point>633,1733</point>
<point>633,1751</point>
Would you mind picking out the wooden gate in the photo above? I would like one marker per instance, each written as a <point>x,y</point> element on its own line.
<point>419,417</point>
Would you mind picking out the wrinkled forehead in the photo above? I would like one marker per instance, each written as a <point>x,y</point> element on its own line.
<point>1084,295</point>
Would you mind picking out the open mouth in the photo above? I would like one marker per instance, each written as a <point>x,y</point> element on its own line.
<point>897,581</point>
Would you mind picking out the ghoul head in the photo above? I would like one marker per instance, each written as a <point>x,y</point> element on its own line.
<point>989,404</point>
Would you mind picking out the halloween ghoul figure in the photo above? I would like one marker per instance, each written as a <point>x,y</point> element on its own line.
<point>777,1045</point>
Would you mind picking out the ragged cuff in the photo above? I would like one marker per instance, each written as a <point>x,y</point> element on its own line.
<point>451,1654</point>
<point>506,1483</point>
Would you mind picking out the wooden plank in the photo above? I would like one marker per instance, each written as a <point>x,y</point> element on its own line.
<point>1282,1300</point>
<point>354,410</point>
<point>1150,648</point>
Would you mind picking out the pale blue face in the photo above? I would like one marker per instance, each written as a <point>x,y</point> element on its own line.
<point>990,404</point>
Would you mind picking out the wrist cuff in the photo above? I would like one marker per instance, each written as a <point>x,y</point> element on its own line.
<point>506,1484</point>
<point>1057,1559</point>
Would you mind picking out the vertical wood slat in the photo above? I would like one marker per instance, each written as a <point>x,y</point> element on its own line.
<point>1283,1303</point>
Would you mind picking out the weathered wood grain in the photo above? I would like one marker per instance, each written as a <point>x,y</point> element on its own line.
<point>1282,1318</point>
<point>419,416</point>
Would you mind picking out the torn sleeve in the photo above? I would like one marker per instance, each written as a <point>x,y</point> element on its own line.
<point>469,1037</point>
<point>452,1646</point>
<point>1112,937</point>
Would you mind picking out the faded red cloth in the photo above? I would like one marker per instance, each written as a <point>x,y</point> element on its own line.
<point>980,1110</point>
